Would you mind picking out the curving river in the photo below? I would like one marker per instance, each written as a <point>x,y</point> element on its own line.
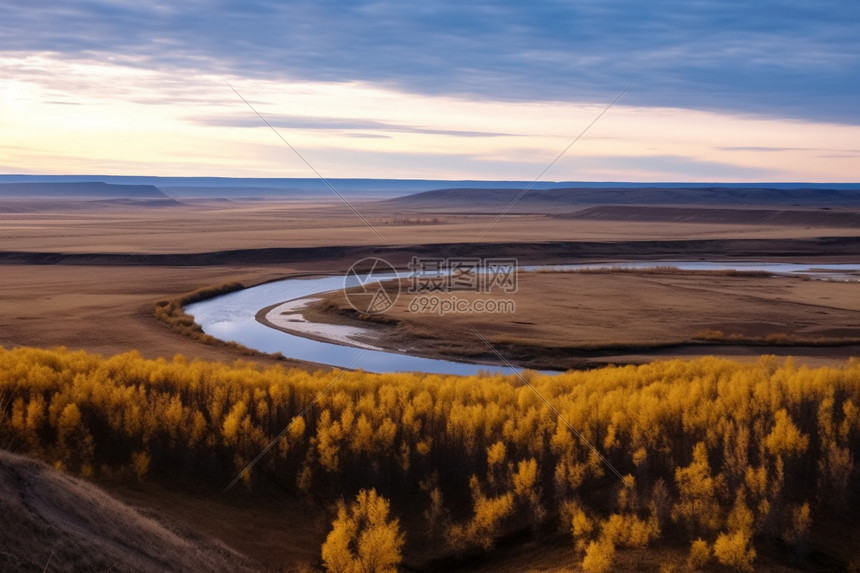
<point>232,317</point>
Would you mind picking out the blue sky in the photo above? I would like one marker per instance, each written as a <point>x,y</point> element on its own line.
<point>788,67</point>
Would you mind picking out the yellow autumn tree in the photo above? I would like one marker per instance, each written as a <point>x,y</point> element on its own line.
<point>488,517</point>
<point>363,539</point>
<point>527,490</point>
<point>740,517</point>
<point>788,437</point>
<point>785,438</point>
<point>581,527</point>
<point>628,530</point>
<point>698,508</point>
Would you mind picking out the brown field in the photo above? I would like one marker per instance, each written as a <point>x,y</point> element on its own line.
<point>216,226</point>
<point>98,293</point>
<point>569,320</point>
<point>104,303</point>
<point>89,279</point>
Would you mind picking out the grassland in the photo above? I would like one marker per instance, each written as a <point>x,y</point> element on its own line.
<point>89,279</point>
<point>570,320</point>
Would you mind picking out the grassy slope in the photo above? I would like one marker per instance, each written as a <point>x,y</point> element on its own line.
<point>52,521</point>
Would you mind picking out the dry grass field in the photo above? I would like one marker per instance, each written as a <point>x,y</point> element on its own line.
<point>104,305</point>
<point>572,319</point>
<point>215,226</point>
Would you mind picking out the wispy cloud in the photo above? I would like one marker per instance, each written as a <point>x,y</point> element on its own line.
<point>335,124</point>
<point>777,149</point>
<point>765,149</point>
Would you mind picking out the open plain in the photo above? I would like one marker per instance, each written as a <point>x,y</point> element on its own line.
<point>560,320</point>
<point>88,277</point>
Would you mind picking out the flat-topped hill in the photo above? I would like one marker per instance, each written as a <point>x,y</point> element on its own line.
<point>79,190</point>
<point>578,197</point>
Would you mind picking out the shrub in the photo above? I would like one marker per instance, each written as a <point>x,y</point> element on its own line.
<point>582,529</point>
<point>598,556</point>
<point>628,530</point>
<point>700,554</point>
<point>733,550</point>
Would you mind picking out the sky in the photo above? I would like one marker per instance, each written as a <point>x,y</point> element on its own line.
<point>717,90</point>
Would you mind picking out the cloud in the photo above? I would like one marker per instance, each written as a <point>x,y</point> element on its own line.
<point>763,149</point>
<point>783,58</point>
<point>289,122</point>
<point>776,149</point>
<point>134,114</point>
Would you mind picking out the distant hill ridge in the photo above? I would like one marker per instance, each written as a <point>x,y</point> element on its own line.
<point>228,187</point>
<point>583,197</point>
<point>79,190</point>
<point>821,217</point>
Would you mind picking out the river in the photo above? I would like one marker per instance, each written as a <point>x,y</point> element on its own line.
<point>232,317</point>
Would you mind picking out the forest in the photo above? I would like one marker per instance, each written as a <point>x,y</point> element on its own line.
<point>720,456</point>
